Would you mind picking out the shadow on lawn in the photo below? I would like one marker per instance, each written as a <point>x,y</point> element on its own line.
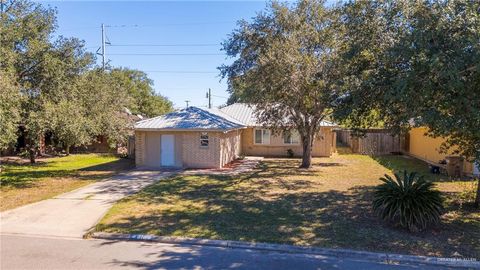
<point>398,163</point>
<point>26,176</point>
<point>225,207</point>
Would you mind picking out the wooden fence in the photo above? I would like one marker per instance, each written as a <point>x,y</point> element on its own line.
<point>373,142</point>
<point>131,147</point>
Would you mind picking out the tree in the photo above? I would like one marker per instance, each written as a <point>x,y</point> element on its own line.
<point>44,69</point>
<point>9,110</point>
<point>287,67</point>
<point>140,88</point>
<point>104,106</point>
<point>416,64</point>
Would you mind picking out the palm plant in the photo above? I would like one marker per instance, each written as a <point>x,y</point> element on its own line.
<point>409,200</point>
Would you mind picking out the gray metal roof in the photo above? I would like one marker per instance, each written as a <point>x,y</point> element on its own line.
<point>245,113</point>
<point>191,118</point>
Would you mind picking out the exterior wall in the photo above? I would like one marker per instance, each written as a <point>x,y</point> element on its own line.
<point>196,156</point>
<point>230,147</point>
<point>428,148</point>
<point>323,146</point>
<point>139,148</point>
<point>147,152</point>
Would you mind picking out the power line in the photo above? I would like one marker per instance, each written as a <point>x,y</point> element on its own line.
<point>166,45</point>
<point>219,96</point>
<point>147,25</point>
<point>167,54</point>
<point>181,71</point>
<point>166,24</point>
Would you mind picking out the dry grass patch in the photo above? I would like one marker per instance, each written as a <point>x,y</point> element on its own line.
<point>328,205</point>
<point>22,183</point>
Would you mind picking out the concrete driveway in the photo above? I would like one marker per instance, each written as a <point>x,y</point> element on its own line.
<point>72,214</point>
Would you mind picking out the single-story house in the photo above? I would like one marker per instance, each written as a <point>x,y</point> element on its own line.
<point>211,138</point>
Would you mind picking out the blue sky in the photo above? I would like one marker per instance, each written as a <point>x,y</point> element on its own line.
<point>161,23</point>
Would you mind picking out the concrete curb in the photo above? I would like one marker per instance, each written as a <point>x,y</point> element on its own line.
<point>342,253</point>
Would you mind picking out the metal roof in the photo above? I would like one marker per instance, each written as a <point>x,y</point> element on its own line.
<point>245,113</point>
<point>191,118</point>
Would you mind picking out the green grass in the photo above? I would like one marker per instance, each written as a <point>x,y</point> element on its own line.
<point>328,205</point>
<point>26,183</point>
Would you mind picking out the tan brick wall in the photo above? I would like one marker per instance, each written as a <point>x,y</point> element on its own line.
<point>230,146</point>
<point>148,152</point>
<point>323,146</point>
<point>139,148</point>
<point>196,156</point>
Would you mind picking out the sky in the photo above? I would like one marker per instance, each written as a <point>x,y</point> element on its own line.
<point>178,29</point>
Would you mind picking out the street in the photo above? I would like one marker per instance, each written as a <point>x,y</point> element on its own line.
<point>35,252</point>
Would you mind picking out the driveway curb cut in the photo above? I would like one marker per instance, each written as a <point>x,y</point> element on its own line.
<point>363,255</point>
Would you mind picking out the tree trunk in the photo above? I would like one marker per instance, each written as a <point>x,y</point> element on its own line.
<point>31,152</point>
<point>477,199</point>
<point>67,150</point>
<point>307,151</point>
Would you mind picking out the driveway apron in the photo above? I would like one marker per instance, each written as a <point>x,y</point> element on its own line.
<point>72,214</point>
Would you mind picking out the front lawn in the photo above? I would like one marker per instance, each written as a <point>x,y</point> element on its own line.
<point>22,183</point>
<point>328,206</point>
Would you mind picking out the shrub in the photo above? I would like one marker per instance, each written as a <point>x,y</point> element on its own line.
<point>290,153</point>
<point>408,200</point>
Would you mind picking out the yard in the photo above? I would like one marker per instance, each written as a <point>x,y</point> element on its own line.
<point>22,183</point>
<point>327,206</point>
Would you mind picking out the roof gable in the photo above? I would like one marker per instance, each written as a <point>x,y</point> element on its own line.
<point>191,118</point>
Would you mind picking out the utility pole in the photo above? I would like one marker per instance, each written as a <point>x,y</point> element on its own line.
<point>103,46</point>
<point>209,96</point>
<point>187,101</point>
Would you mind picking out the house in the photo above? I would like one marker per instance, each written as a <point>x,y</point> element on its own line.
<point>427,148</point>
<point>211,138</point>
<point>259,141</point>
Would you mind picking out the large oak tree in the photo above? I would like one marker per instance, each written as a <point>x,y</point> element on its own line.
<point>286,65</point>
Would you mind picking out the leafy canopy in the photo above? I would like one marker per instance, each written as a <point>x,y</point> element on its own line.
<point>414,63</point>
<point>286,65</point>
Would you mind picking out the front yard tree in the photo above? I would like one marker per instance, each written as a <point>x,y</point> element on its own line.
<point>139,87</point>
<point>416,64</point>
<point>287,67</point>
<point>9,110</point>
<point>44,69</point>
<point>104,106</point>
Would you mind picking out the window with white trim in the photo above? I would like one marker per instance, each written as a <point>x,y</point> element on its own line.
<point>204,139</point>
<point>262,136</point>
<point>291,137</point>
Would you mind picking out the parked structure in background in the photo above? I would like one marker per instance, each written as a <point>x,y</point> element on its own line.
<point>416,144</point>
<point>211,138</point>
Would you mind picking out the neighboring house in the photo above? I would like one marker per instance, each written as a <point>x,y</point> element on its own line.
<point>211,138</point>
<point>259,141</point>
<point>428,149</point>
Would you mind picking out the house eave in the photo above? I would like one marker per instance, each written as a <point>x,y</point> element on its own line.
<point>188,129</point>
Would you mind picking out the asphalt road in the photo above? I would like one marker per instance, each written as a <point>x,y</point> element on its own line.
<point>37,252</point>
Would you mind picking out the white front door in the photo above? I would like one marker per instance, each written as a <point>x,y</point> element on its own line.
<point>167,150</point>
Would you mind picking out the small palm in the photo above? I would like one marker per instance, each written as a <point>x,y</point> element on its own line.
<point>410,200</point>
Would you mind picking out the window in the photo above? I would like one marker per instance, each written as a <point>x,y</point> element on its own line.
<point>204,139</point>
<point>262,136</point>
<point>291,137</point>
